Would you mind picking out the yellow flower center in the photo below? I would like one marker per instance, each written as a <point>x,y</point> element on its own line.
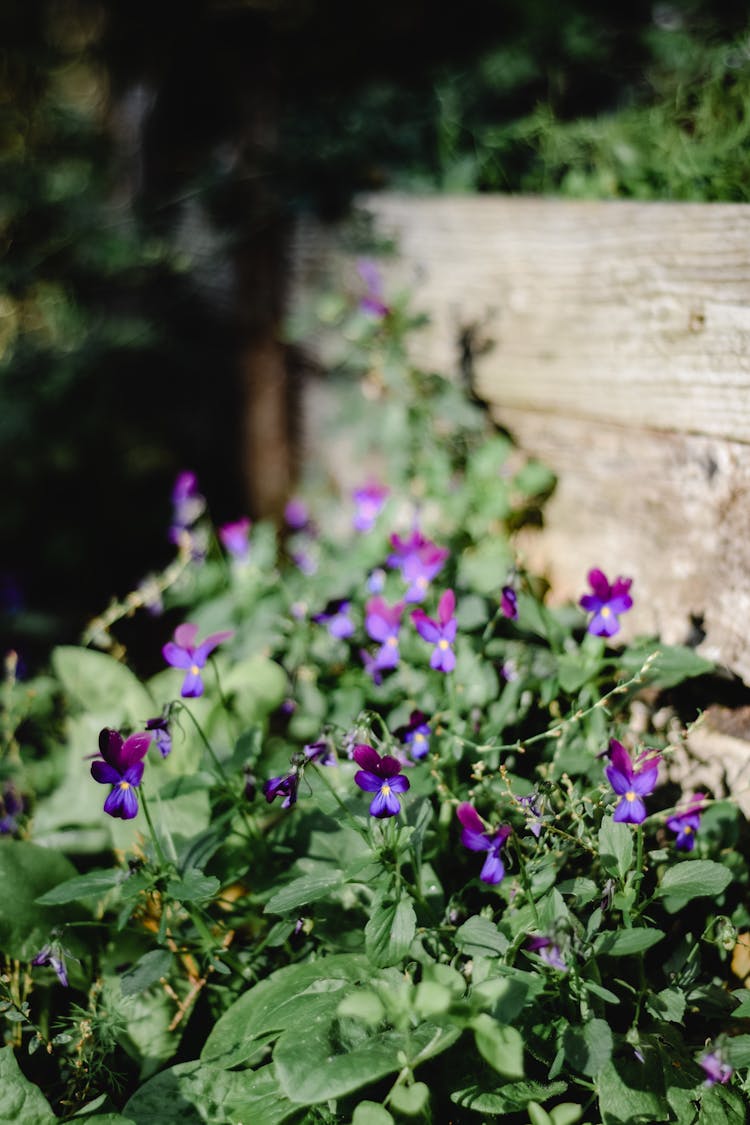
<point>124,784</point>
<point>385,789</point>
<point>630,795</point>
<point>687,830</point>
<point>419,737</point>
<point>605,611</point>
<point>392,641</point>
<point>195,669</point>
<point>443,644</point>
<point>421,582</point>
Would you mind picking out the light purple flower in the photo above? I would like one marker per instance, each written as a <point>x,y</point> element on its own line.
<point>183,652</point>
<point>687,821</point>
<point>416,735</point>
<point>476,838</point>
<point>383,623</point>
<point>53,955</point>
<point>606,603</point>
<point>534,821</point>
<point>548,950</point>
<point>630,782</point>
<point>336,618</point>
<point>440,633</point>
<point>715,1068</point>
<point>381,776</point>
<point>188,504</point>
<point>162,733</point>
<point>509,603</point>
<point>419,560</point>
<point>296,514</point>
<point>372,302</point>
<point>376,581</point>
<point>235,538</point>
<point>369,501</point>
<point>121,766</point>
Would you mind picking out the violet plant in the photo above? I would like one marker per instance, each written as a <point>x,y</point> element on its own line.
<point>414,849</point>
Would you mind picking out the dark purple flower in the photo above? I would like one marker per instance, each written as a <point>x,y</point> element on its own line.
<point>416,735</point>
<point>319,753</point>
<point>548,950</point>
<point>162,733</point>
<point>440,633</point>
<point>183,652</point>
<point>419,560</point>
<point>369,501</point>
<point>509,603</point>
<point>687,821</point>
<point>188,505</point>
<point>606,603</point>
<point>250,787</point>
<point>381,776</point>
<point>476,838</point>
<point>235,538</point>
<point>372,302</point>
<point>53,955</point>
<point>11,807</point>
<point>121,766</point>
<point>286,787</point>
<point>533,812</point>
<point>336,618</point>
<point>630,782</point>
<point>715,1068</point>
<point>296,514</point>
<point>383,623</point>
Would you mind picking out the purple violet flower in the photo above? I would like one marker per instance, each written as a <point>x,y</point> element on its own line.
<point>183,652</point>
<point>548,950</point>
<point>383,623</point>
<point>371,666</point>
<point>319,753</point>
<point>121,766</point>
<point>369,501</point>
<point>381,776</point>
<point>53,955</point>
<point>534,821</point>
<point>11,807</point>
<point>630,782</point>
<point>336,618</point>
<point>440,633</point>
<point>416,735</point>
<point>296,514</point>
<point>419,560</point>
<point>372,302</point>
<point>235,538</point>
<point>376,581</point>
<point>162,733</point>
<point>687,821</point>
<point>509,603</point>
<point>188,505</point>
<point>286,787</point>
<point>476,838</point>
<point>606,603</point>
<point>715,1068</point>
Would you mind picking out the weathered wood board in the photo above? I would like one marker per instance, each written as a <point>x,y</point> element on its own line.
<point>613,341</point>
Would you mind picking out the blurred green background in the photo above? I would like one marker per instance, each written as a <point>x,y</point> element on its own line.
<point>154,158</point>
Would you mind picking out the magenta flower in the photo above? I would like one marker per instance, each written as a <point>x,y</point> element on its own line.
<point>630,782</point>
<point>381,776</point>
<point>372,302</point>
<point>121,766</point>
<point>715,1068</point>
<point>606,603</point>
<point>183,652</point>
<point>477,839</point>
<point>235,538</point>
<point>369,501</point>
<point>509,603</point>
<point>440,633</point>
<point>188,505</point>
<point>686,822</point>
<point>383,623</point>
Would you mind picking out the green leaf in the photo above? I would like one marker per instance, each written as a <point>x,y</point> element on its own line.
<point>631,1092</point>
<point>692,879</point>
<point>720,1105</point>
<point>669,1004</point>
<point>148,969</point>
<point>307,888</point>
<point>370,1113</point>
<point>615,847</point>
<point>567,1113</point>
<point>479,937</point>
<point>499,1045</point>
<point>482,569</point>
<point>290,995</point>
<point>390,931</point>
<point>362,1005</point>
<point>94,884</point>
<point>624,943</point>
<point>410,1100</point>
<point>534,478</point>
<point>505,1099</point>
<point>574,669</point>
<point>537,1115</point>
<point>193,886</point>
<point>101,685</point>
<point>737,1050</point>
<point>22,1103</point>
<point>588,1048</point>
<point>258,685</point>
<point>194,1093</point>
<point>674,664</point>
<point>26,873</point>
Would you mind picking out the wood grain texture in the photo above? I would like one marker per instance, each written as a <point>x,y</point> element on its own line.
<point>613,341</point>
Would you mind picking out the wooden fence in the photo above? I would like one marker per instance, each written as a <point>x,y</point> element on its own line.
<point>613,341</point>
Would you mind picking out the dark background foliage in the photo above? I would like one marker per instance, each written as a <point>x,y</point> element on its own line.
<point>153,159</point>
